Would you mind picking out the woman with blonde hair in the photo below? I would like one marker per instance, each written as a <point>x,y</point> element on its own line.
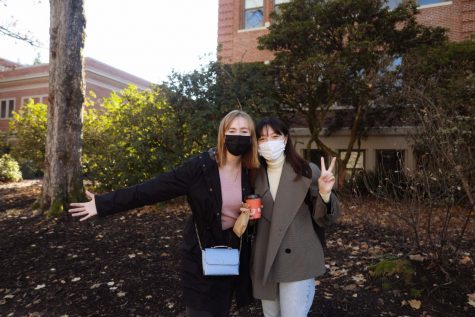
<point>215,183</point>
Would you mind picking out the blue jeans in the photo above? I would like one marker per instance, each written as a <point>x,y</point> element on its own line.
<point>294,299</point>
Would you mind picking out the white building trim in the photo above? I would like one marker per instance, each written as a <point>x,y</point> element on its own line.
<point>111,77</point>
<point>24,77</point>
<point>24,87</point>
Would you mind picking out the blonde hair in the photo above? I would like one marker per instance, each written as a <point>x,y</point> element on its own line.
<point>248,160</point>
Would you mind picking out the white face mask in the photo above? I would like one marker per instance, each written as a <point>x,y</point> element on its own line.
<point>271,150</point>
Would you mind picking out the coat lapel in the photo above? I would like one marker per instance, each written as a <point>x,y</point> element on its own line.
<point>262,189</point>
<point>289,197</point>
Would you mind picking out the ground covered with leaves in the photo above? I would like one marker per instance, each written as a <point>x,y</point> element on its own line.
<point>127,265</point>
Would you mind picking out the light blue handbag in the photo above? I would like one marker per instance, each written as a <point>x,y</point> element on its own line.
<point>219,260</point>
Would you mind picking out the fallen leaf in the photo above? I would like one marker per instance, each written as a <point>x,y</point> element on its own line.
<point>40,286</point>
<point>95,286</point>
<point>111,283</point>
<point>121,294</point>
<point>355,295</point>
<point>417,257</point>
<point>8,296</point>
<point>358,278</point>
<point>414,303</point>
<point>131,256</point>
<point>76,279</point>
<point>464,260</point>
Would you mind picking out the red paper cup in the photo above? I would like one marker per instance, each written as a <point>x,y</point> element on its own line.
<point>255,204</point>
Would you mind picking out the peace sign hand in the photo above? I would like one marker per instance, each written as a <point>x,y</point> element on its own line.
<point>326,179</point>
<point>87,209</point>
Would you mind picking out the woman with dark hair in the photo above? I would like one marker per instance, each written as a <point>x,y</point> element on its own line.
<point>287,254</point>
<point>215,183</point>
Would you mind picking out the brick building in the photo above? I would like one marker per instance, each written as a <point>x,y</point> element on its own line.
<point>19,84</point>
<point>241,22</point>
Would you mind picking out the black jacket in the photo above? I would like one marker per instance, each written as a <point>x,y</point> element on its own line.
<point>198,179</point>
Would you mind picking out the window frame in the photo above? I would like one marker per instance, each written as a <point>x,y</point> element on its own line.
<point>25,99</point>
<point>7,106</point>
<point>363,158</point>
<point>435,4</point>
<point>401,164</point>
<point>307,155</point>
<point>244,10</point>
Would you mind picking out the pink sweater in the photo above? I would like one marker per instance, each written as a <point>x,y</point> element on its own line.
<point>232,198</point>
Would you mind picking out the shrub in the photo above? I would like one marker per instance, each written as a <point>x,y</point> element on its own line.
<point>136,137</point>
<point>29,127</point>
<point>4,146</point>
<point>393,267</point>
<point>9,169</point>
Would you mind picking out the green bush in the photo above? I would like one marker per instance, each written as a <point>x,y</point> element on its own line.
<point>29,127</point>
<point>132,136</point>
<point>9,169</point>
<point>4,146</point>
<point>135,138</point>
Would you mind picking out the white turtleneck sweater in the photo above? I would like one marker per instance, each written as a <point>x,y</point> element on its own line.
<point>274,171</point>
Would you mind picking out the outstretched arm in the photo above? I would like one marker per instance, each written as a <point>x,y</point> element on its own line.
<point>164,187</point>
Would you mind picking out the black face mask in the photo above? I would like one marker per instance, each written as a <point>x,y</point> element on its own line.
<point>237,144</point>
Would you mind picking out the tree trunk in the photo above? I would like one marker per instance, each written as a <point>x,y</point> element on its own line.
<point>62,182</point>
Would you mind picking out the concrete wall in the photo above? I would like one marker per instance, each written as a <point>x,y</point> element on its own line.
<point>381,139</point>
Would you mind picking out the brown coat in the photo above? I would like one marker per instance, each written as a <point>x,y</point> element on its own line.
<point>286,247</point>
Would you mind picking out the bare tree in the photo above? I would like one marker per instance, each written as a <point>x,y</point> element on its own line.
<point>8,29</point>
<point>62,182</point>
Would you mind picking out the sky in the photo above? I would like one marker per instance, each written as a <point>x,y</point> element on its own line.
<point>147,38</point>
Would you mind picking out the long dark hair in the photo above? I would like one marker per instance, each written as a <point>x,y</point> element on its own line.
<point>300,166</point>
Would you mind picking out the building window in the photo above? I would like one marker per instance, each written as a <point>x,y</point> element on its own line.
<point>277,4</point>
<point>36,99</point>
<point>6,108</point>
<point>253,14</point>
<point>390,162</point>
<point>314,156</point>
<point>393,4</point>
<point>25,100</point>
<point>356,160</point>
<point>355,163</point>
<point>429,2</point>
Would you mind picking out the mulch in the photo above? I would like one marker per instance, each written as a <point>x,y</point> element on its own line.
<point>127,265</point>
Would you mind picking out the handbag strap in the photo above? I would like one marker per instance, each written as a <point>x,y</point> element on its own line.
<point>199,240</point>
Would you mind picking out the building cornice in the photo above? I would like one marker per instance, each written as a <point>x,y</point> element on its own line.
<point>24,87</point>
<point>87,69</point>
<point>107,75</point>
<point>384,131</point>
<point>24,77</point>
